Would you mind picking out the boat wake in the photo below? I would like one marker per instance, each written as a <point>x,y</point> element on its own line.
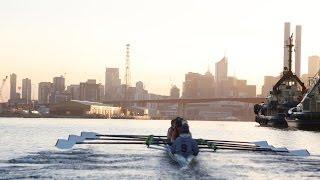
<point>90,164</point>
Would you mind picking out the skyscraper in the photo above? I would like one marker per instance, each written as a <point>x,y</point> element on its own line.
<point>313,65</point>
<point>174,92</point>
<point>26,90</point>
<point>112,84</point>
<point>44,91</point>
<point>58,84</point>
<point>74,91</point>
<point>90,91</point>
<point>222,69</point>
<point>13,86</point>
<point>286,41</point>
<point>298,51</point>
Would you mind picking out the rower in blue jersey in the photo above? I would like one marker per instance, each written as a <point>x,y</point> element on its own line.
<point>184,145</point>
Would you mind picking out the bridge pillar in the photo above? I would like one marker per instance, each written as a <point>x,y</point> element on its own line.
<point>181,109</point>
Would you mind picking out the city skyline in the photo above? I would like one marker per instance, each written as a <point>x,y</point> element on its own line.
<point>82,38</point>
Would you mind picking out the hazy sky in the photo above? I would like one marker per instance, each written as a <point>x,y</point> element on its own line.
<point>40,39</point>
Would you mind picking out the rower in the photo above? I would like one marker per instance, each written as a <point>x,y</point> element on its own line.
<point>177,126</point>
<point>184,145</point>
<point>170,131</point>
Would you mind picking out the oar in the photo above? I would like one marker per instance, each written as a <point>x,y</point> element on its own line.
<point>96,135</point>
<point>92,142</point>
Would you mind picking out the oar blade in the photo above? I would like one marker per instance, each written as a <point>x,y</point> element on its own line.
<point>300,152</point>
<point>64,144</point>
<point>261,143</point>
<point>76,138</point>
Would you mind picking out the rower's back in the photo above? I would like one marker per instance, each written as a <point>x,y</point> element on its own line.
<point>184,144</point>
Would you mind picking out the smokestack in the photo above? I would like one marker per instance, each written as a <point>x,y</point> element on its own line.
<point>286,41</point>
<point>298,51</point>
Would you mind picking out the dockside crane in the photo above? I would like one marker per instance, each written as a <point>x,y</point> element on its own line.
<point>1,87</point>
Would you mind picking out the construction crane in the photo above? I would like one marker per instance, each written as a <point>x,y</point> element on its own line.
<point>1,88</point>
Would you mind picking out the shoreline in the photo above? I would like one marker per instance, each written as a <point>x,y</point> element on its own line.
<point>80,117</point>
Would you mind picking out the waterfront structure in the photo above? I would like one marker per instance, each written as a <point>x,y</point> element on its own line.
<point>285,49</point>
<point>44,91</point>
<point>90,91</point>
<point>298,51</point>
<point>26,90</point>
<point>112,84</point>
<point>13,86</point>
<point>221,69</point>
<point>313,65</point>
<point>84,108</point>
<point>174,92</point>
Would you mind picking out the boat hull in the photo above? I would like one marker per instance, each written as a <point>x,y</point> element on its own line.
<point>182,161</point>
<point>305,120</point>
<point>272,121</point>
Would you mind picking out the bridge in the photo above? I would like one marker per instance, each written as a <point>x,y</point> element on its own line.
<point>183,101</point>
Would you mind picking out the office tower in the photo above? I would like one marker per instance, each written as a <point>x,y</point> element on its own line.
<point>198,86</point>
<point>58,84</point>
<point>174,92</point>
<point>44,91</point>
<point>74,91</point>
<point>313,65</point>
<point>90,91</point>
<point>298,51</point>
<point>222,69</point>
<point>26,90</point>
<point>286,42</point>
<point>112,84</point>
<point>13,86</point>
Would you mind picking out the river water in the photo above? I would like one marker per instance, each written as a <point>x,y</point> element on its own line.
<point>27,151</point>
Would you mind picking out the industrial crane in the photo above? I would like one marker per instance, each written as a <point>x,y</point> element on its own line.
<point>1,87</point>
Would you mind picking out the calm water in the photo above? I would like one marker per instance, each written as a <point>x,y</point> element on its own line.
<point>27,151</point>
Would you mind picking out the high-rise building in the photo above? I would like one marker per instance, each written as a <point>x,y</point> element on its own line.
<point>286,42</point>
<point>44,91</point>
<point>26,90</point>
<point>298,51</point>
<point>90,91</point>
<point>13,86</point>
<point>269,82</point>
<point>313,65</point>
<point>198,86</point>
<point>58,84</point>
<point>74,91</point>
<point>112,84</point>
<point>174,92</point>
<point>101,90</point>
<point>222,69</point>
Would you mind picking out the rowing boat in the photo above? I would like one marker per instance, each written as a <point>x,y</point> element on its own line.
<point>161,143</point>
<point>184,162</point>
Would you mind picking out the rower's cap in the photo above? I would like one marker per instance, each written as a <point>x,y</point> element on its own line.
<point>185,128</point>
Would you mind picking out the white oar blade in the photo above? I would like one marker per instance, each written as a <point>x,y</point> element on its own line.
<point>76,138</point>
<point>89,135</point>
<point>64,144</point>
<point>261,143</point>
<point>300,152</point>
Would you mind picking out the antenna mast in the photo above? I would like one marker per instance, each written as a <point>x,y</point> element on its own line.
<point>128,74</point>
<point>290,46</point>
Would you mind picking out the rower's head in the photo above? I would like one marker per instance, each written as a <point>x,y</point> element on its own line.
<point>184,129</point>
<point>173,122</point>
